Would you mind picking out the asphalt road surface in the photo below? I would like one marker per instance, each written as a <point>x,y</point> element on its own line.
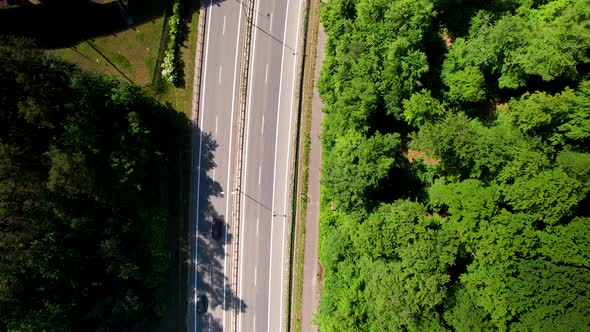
<point>270,116</point>
<point>214,143</point>
<point>269,130</point>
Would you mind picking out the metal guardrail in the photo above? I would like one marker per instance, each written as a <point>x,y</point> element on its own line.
<point>198,63</point>
<point>245,68</point>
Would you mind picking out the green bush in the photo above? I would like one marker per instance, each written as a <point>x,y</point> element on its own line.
<point>170,66</point>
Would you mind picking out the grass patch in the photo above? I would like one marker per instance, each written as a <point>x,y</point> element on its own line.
<point>132,55</point>
<point>121,61</point>
<point>181,97</point>
<point>128,55</point>
<point>150,62</point>
<point>312,20</point>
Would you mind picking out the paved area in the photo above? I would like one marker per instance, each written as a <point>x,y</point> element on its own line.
<point>270,118</point>
<point>271,111</point>
<point>311,264</point>
<point>214,143</point>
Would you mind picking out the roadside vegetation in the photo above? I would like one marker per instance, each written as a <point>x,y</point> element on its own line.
<point>456,166</point>
<point>96,37</point>
<point>86,175</point>
<point>171,65</point>
<point>122,234</point>
<point>311,22</point>
<point>129,55</point>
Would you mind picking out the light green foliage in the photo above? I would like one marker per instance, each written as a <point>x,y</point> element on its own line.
<point>568,244</point>
<point>170,65</point>
<point>525,160</point>
<point>548,196</point>
<point>375,50</point>
<point>468,148</point>
<point>381,234</point>
<point>546,42</point>
<point>352,110</point>
<point>561,118</point>
<point>404,292</point>
<point>422,108</point>
<point>447,140</point>
<point>343,288</point>
<point>469,203</point>
<point>492,231</point>
<point>466,85</point>
<point>338,17</point>
<point>577,126</point>
<point>508,281</point>
<point>576,165</point>
<point>402,70</point>
<point>356,165</point>
<point>392,277</point>
<point>466,315</point>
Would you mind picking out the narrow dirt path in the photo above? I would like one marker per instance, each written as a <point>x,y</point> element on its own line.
<point>311,264</point>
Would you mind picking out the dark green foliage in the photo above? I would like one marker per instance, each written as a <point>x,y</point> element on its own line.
<point>548,196</point>
<point>562,118</point>
<point>546,42</point>
<point>496,235</point>
<point>355,167</point>
<point>82,224</point>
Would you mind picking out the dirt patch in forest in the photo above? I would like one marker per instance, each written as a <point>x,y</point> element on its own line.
<point>446,38</point>
<point>412,155</point>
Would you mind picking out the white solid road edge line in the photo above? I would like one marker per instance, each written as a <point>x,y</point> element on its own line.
<point>199,163</point>
<point>289,153</point>
<point>275,170</point>
<point>245,160</point>
<point>231,131</point>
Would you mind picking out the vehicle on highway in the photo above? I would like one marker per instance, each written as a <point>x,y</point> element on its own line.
<point>216,228</point>
<point>202,304</point>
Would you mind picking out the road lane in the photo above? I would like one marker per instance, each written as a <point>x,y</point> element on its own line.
<point>265,201</point>
<point>214,166</point>
<point>283,141</point>
<point>267,155</point>
<point>256,201</point>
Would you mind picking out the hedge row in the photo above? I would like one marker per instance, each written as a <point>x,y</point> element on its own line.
<point>170,66</point>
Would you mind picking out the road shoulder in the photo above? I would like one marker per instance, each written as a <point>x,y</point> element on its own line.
<point>306,278</point>
<point>311,264</point>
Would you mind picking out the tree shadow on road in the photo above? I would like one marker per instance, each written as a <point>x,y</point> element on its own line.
<point>210,279</point>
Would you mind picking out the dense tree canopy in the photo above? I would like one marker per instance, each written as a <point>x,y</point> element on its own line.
<point>82,223</point>
<point>487,229</point>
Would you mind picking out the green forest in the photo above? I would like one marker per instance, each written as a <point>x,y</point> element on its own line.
<point>86,173</point>
<point>456,166</point>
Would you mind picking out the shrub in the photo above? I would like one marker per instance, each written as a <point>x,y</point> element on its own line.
<point>170,66</point>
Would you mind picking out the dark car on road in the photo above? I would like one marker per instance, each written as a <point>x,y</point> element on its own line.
<point>216,228</point>
<point>202,304</point>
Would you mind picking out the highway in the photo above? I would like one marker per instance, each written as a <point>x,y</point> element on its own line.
<point>268,150</point>
<point>266,179</point>
<point>214,152</point>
